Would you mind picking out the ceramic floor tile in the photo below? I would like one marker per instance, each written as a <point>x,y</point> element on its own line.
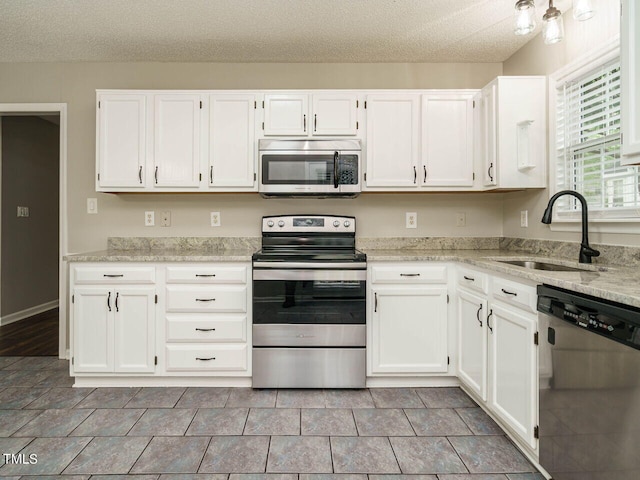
<point>112,397</point>
<point>54,454</point>
<point>236,454</point>
<point>436,422</point>
<point>263,476</point>
<point>37,363</point>
<point>396,398</point>
<point>54,423</point>
<point>405,477</point>
<point>539,476</point>
<point>12,446</point>
<point>430,455</point>
<point>108,455</point>
<point>193,476</point>
<point>108,422</point>
<point>172,455</point>
<point>445,397</point>
<point>295,454</point>
<point>19,397</point>
<point>60,398</point>
<point>218,421</point>
<point>58,378</point>
<point>6,361</point>
<point>12,420</point>
<point>117,477</point>
<point>204,397</point>
<point>248,397</point>
<point>24,378</point>
<point>474,476</point>
<point>382,422</point>
<point>479,422</point>
<point>156,397</point>
<point>363,455</point>
<point>333,476</point>
<point>71,477</point>
<point>327,421</point>
<point>348,399</point>
<point>163,422</point>
<point>273,421</point>
<point>490,454</point>
<point>300,399</point>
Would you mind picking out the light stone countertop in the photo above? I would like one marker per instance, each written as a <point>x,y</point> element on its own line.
<point>166,255</point>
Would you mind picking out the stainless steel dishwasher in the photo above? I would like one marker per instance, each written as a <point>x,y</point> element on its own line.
<point>589,387</point>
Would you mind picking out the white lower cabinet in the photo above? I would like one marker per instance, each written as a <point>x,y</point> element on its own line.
<point>408,320</point>
<point>498,349</point>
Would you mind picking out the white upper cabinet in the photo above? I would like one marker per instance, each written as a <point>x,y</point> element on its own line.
<point>176,140</point>
<point>513,124</point>
<point>393,140</point>
<point>232,144</point>
<point>630,79</point>
<point>331,114</point>
<point>121,145</point>
<point>447,140</point>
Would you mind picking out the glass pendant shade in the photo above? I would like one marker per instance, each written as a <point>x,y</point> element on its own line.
<point>552,26</point>
<point>525,14</point>
<point>583,9</point>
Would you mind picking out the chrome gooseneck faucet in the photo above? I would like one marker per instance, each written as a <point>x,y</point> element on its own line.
<point>586,252</point>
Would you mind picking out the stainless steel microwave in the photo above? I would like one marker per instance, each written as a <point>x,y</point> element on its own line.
<point>309,168</point>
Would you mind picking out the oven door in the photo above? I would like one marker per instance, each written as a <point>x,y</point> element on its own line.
<point>309,172</point>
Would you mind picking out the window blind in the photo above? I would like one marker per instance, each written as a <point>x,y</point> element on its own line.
<point>588,145</point>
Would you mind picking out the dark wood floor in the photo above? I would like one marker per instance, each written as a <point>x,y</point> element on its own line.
<point>37,335</point>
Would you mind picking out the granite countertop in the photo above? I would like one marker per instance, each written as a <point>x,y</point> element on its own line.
<point>165,255</point>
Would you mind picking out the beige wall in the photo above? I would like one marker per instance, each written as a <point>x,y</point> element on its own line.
<point>122,215</point>
<point>30,166</point>
<point>536,58</point>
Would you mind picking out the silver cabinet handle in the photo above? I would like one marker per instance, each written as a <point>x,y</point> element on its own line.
<point>211,174</point>
<point>119,275</point>
<point>478,314</point>
<point>304,123</point>
<point>205,275</point>
<point>488,317</point>
<point>205,299</point>
<point>205,329</point>
<point>375,303</point>
<point>489,172</point>
<point>117,307</point>
<point>156,175</point>
<point>409,274</point>
<point>109,301</point>
<point>315,122</point>
<point>471,279</point>
<point>140,174</point>
<point>506,292</point>
<point>205,359</point>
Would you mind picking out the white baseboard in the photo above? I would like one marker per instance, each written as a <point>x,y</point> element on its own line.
<point>22,314</point>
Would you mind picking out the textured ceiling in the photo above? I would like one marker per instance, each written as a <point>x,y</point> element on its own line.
<point>258,30</point>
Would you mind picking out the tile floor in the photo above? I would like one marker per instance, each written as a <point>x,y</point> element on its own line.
<point>242,434</point>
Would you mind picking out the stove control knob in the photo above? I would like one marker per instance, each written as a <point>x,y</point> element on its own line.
<point>336,223</point>
<point>347,223</point>
<point>281,223</point>
<point>270,223</point>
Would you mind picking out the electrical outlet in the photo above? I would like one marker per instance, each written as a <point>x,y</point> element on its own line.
<point>149,219</point>
<point>23,212</point>
<point>411,220</point>
<point>166,219</point>
<point>524,218</point>
<point>461,219</point>
<point>92,205</point>
<point>215,219</point>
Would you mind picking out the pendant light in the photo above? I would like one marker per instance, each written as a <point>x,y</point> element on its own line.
<point>583,9</point>
<point>525,17</point>
<point>552,25</point>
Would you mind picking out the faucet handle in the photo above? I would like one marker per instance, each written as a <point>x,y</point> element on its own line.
<point>586,252</point>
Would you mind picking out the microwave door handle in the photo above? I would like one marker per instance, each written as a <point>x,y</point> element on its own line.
<point>336,155</point>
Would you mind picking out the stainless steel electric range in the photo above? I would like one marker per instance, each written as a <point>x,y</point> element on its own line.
<point>309,304</point>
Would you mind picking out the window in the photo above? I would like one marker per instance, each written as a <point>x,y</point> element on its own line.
<point>588,145</point>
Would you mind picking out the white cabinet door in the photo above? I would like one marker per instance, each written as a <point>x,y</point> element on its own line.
<point>134,329</point>
<point>447,140</point>
<point>488,135</point>
<point>93,329</point>
<point>409,330</point>
<point>630,79</point>
<point>513,369</point>
<point>232,148</point>
<point>393,140</point>
<point>334,114</point>
<point>121,141</point>
<point>286,114</point>
<point>472,345</point>
<point>176,140</point>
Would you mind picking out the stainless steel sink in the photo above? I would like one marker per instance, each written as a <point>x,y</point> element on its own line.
<point>553,267</point>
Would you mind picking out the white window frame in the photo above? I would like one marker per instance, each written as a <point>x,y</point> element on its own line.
<point>600,221</point>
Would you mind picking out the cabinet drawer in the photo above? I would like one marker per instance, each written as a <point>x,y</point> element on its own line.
<point>207,274</point>
<point>472,279</point>
<point>514,293</point>
<point>207,358</point>
<point>196,298</point>
<point>409,274</point>
<point>204,328</point>
<point>114,274</point>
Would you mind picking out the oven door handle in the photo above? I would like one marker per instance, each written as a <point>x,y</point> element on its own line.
<point>286,266</point>
<point>313,275</point>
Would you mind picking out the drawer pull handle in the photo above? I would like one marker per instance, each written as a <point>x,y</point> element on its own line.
<point>205,359</point>
<point>109,301</point>
<point>409,274</point>
<point>207,275</point>
<point>471,279</point>
<point>507,292</point>
<point>205,329</point>
<point>375,303</point>
<point>205,299</point>
<point>478,314</point>
<point>113,276</point>
<point>117,306</point>
<point>488,323</point>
